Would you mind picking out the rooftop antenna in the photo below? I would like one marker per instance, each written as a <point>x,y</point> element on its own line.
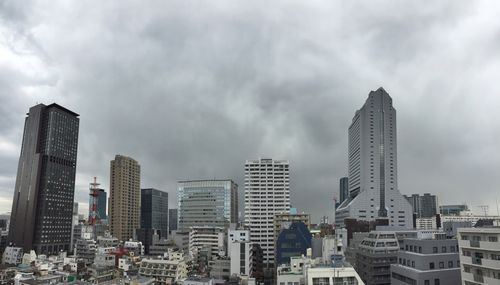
<point>485,208</point>
<point>94,193</point>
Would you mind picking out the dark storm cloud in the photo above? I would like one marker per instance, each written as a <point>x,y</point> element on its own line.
<point>192,90</point>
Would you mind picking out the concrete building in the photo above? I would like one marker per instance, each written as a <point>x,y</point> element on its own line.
<point>220,268</point>
<point>293,240</point>
<point>343,189</point>
<point>207,243</point>
<point>238,250</point>
<point>480,255</point>
<point>372,156</point>
<point>167,270</point>
<point>172,220</point>
<point>12,255</point>
<point>267,193</point>
<point>207,203</point>
<point>154,210</point>
<point>424,206</point>
<point>125,197</point>
<point>42,206</point>
<point>427,261</point>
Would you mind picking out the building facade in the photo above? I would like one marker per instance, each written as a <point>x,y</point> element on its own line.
<point>154,210</point>
<point>42,206</point>
<point>292,241</point>
<point>480,255</point>
<point>238,250</point>
<point>427,261</point>
<point>207,203</point>
<point>125,197</point>
<point>267,193</point>
<point>284,220</point>
<point>207,243</point>
<point>172,220</point>
<point>343,189</point>
<point>452,210</point>
<point>372,156</point>
<point>425,206</point>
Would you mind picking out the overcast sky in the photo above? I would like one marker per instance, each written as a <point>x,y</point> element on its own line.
<point>191,89</point>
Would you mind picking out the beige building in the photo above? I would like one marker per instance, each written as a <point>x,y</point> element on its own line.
<point>125,197</point>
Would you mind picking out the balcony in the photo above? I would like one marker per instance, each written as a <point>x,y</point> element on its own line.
<point>477,261</point>
<point>475,243</point>
<point>478,278</point>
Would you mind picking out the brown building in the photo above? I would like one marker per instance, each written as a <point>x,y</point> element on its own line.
<point>125,197</point>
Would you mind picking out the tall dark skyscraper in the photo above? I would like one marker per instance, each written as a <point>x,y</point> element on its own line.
<point>154,210</point>
<point>172,220</point>
<point>42,207</point>
<point>425,206</point>
<point>343,189</point>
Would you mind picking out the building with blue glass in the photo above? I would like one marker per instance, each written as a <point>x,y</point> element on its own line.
<point>292,241</point>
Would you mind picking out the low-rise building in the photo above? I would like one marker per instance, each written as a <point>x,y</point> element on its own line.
<point>12,255</point>
<point>480,255</point>
<point>166,270</point>
<point>427,261</point>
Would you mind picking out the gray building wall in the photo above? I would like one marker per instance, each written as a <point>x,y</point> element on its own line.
<point>42,206</point>
<point>425,206</point>
<point>172,220</point>
<point>433,260</point>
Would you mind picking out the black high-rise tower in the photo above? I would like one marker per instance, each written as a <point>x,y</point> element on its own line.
<point>45,185</point>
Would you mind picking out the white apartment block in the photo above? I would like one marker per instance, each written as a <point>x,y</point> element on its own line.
<point>207,239</point>
<point>267,193</point>
<point>480,255</point>
<point>238,250</point>
<point>372,156</point>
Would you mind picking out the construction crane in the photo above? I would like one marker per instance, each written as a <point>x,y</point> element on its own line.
<point>93,212</point>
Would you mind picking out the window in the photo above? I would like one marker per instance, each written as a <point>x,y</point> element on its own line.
<point>427,282</point>
<point>441,264</point>
<point>452,249</point>
<point>431,265</point>
<point>443,249</point>
<point>436,281</point>
<point>434,249</point>
<point>450,264</point>
<point>493,239</point>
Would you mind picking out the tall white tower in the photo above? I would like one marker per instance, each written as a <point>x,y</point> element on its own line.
<point>267,192</point>
<point>373,178</point>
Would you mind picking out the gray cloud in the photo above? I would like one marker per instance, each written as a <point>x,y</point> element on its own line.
<point>192,90</point>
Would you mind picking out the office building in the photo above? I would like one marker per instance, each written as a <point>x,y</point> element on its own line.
<point>480,255</point>
<point>452,210</point>
<point>238,250</point>
<point>343,189</point>
<point>293,240</point>
<point>267,193</point>
<point>172,220</point>
<point>372,156</point>
<point>154,210</point>
<point>125,197</point>
<point>207,243</point>
<point>42,208</point>
<point>425,206</point>
<point>427,261</point>
<point>207,203</point>
<point>284,220</point>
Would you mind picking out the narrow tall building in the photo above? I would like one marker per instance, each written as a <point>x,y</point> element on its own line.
<point>125,197</point>
<point>343,189</point>
<point>372,155</point>
<point>267,193</point>
<point>206,203</point>
<point>42,208</point>
<point>424,206</point>
<point>154,210</point>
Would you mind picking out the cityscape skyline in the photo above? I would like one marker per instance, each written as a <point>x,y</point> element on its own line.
<point>243,108</point>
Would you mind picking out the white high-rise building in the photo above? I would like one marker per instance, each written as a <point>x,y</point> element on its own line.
<point>373,177</point>
<point>267,192</point>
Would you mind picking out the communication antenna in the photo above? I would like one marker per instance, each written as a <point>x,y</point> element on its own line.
<point>94,193</point>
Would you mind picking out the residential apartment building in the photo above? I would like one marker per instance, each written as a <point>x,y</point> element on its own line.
<point>480,255</point>
<point>207,242</point>
<point>372,156</point>
<point>42,205</point>
<point>238,250</point>
<point>206,203</point>
<point>267,193</point>
<point>125,197</point>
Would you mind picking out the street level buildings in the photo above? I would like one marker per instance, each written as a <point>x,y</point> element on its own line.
<point>267,193</point>
<point>207,203</point>
<point>372,156</point>
<point>41,218</point>
<point>125,197</point>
